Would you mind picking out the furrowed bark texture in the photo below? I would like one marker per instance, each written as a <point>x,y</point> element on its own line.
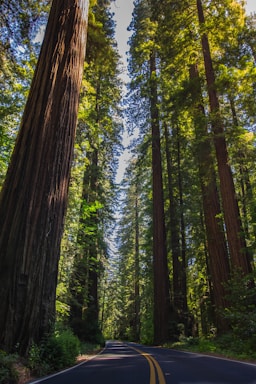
<point>161,279</point>
<point>234,230</point>
<point>216,242</point>
<point>34,197</point>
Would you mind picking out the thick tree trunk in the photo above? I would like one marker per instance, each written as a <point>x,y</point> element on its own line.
<point>161,278</point>
<point>235,237</point>
<point>216,242</point>
<point>34,197</point>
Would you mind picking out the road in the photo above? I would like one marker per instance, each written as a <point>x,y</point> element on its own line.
<point>129,363</point>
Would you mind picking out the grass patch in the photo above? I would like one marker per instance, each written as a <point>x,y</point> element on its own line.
<point>226,346</point>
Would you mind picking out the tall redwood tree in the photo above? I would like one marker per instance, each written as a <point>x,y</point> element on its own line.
<point>234,230</point>
<point>216,242</point>
<point>34,197</point>
<point>160,264</point>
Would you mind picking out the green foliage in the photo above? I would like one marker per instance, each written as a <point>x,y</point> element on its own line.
<point>231,345</point>
<point>90,348</point>
<point>241,312</point>
<point>8,374</point>
<point>147,329</point>
<point>87,329</point>
<point>62,308</point>
<point>56,352</point>
<point>227,345</point>
<point>61,350</point>
<point>36,363</point>
<point>240,342</point>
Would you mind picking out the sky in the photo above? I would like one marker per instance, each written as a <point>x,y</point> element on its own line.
<point>123,16</point>
<point>251,6</point>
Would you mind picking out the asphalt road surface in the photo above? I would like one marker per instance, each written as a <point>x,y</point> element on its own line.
<point>129,363</point>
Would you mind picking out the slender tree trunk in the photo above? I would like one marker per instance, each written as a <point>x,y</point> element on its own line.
<point>93,257</point>
<point>174,230</point>
<point>183,272</point>
<point>136,274</point>
<point>235,236</point>
<point>34,197</point>
<point>211,313</point>
<point>161,278</point>
<point>246,186</point>
<point>89,243</point>
<point>92,240</point>
<point>216,242</point>
<point>84,313</point>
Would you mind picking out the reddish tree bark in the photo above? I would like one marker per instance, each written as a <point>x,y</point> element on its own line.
<point>216,242</point>
<point>234,230</point>
<point>175,229</point>
<point>161,278</point>
<point>34,197</point>
<point>136,322</point>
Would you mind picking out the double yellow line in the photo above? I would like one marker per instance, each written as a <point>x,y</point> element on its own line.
<point>153,366</point>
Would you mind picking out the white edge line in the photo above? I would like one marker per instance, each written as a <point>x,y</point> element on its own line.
<point>65,370</point>
<point>203,354</point>
<point>214,357</point>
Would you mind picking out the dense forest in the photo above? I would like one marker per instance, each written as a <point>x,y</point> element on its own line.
<point>168,254</point>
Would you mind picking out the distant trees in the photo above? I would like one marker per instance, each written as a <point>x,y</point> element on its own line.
<point>183,68</point>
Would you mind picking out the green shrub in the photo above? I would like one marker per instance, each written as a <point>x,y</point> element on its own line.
<point>8,374</point>
<point>241,313</point>
<point>192,340</point>
<point>57,351</point>
<point>235,346</point>
<point>60,350</point>
<point>35,361</point>
<point>87,331</point>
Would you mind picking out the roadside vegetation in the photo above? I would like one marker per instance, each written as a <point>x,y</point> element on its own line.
<point>239,342</point>
<point>59,350</point>
<point>62,348</point>
<point>224,346</point>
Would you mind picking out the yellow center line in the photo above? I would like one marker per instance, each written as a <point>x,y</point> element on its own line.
<point>152,365</point>
<point>161,378</point>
